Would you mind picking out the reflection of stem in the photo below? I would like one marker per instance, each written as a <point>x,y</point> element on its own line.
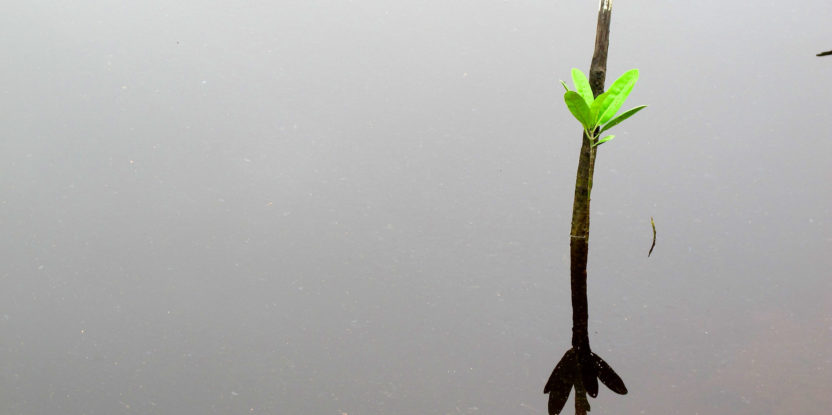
<point>581,403</point>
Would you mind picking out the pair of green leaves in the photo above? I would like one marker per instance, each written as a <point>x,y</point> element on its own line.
<point>597,114</point>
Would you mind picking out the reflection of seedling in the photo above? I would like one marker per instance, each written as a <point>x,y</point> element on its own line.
<point>597,114</point>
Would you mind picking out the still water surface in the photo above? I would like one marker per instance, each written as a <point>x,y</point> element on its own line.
<point>333,207</point>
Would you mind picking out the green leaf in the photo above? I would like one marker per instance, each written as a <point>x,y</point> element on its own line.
<point>578,108</point>
<point>595,109</point>
<point>617,120</point>
<point>619,91</point>
<point>603,140</point>
<point>582,85</point>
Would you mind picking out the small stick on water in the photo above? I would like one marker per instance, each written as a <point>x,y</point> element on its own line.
<point>654,236</point>
<point>827,53</point>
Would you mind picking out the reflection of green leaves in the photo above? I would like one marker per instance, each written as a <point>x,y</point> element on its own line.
<point>607,376</point>
<point>580,369</point>
<point>598,113</point>
<point>561,381</point>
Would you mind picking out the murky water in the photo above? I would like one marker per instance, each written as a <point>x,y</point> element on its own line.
<point>332,207</point>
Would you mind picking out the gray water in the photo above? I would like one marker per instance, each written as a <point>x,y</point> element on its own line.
<point>363,207</point>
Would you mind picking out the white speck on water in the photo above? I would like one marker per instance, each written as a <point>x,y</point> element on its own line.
<point>234,393</point>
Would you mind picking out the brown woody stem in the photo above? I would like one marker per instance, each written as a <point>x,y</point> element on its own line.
<point>579,239</point>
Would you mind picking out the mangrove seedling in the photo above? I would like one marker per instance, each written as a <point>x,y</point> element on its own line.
<point>579,368</point>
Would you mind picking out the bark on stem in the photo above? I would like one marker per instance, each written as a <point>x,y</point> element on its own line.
<point>583,184</point>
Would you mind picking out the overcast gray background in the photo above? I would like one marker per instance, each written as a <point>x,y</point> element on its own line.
<point>362,207</point>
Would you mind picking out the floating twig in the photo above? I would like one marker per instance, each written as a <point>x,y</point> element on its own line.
<point>654,236</point>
